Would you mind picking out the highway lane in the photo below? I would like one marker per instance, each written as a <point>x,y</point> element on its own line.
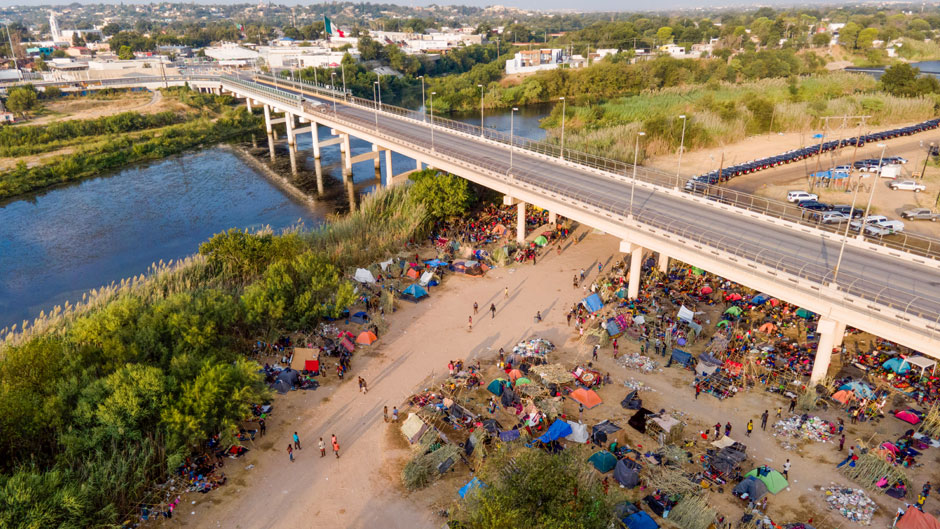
<point>908,285</point>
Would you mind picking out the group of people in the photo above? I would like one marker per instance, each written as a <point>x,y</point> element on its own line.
<point>334,444</point>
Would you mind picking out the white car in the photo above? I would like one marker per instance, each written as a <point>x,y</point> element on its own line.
<point>833,217</point>
<point>870,220</point>
<point>908,185</point>
<point>800,196</point>
<point>885,228</point>
<point>842,169</point>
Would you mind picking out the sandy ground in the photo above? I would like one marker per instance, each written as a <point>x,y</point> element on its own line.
<point>777,181</point>
<point>362,488</point>
<point>89,108</point>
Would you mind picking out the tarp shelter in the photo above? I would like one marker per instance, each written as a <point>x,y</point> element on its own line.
<point>843,396</point>
<point>638,421</point>
<point>291,376</point>
<point>364,276</point>
<point>579,432</point>
<point>306,358</point>
<point>426,278</point>
<point>626,475</point>
<point>753,487</point>
<point>415,292</point>
<point>768,328</point>
<point>413,428</point>
<point>923,363</point>
<point>908,416</point>
<point>593,303</point>
<point>366,338</point>
<point>685,314</point>
<point>859,388</point>
<point>541,240</point>
<point>706,290</point>
<point>897,365</point>
<point>386,264</point>
<point>474,483</point>
<point>914,518</point>
<point>348,345</point>
<point>734,310</point>
<point>509,435</point>
<point>499,229</point>
<point>612,327</point>
<point>281,387</point>
<point>522,382</point>
<point>723,442</point>
<point>435,262</point>
<point>805,314</point>
<point>412,273</point>
<point>774,480</point>
<point>497,386</point>
<point>697,271</point>
<point>666,429</point>
<point>587,397</point>
<point>681,357</point>
<point>760,299</point>
<point>632,401</point>
<point>556,431</point>
<point>640,520</point>
<point>603,461</point>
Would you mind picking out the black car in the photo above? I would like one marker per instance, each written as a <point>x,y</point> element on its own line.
<point>845,209</point>
<point>814,205</point>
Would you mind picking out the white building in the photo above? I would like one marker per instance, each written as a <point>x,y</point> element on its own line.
<point>232,55</point>
<point>303,56</point>
<point>529,61</point>
<point>677,52</point>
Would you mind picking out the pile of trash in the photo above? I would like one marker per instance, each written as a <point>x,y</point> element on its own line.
<point>809,428</point>
<point>534,347</point>
<point>853,504</point>
<point>638,362</point>
<point>633,384</point>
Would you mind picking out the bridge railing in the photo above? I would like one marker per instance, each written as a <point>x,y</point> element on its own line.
<point>907,242</point>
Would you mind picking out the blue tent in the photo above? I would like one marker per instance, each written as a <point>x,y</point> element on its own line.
<point>496,386</point>
<point>760,299</point>
<point>557,430</point>
<point>898,365</point>
<point>860,389</point>
<point>416,291</point>
<point>640,520</point>
<point>474,483</point>
<point>603,461</point>
<point>593,303</point>
<point>682,357</point>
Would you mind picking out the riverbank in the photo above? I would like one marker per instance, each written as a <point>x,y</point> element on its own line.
<point>282,182</point>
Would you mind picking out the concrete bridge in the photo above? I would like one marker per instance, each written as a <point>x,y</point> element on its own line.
<point>889,289</point>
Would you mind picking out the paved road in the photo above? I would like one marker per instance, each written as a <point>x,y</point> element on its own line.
<point>904,285</point>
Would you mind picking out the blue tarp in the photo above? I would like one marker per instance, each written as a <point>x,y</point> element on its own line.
<point>640,520</point>
<point>831,175</point>
<point>898,365</point>
<point>508,435</point>
<point>435,262</point>
<point>613,328</point>
<point>593,303</point>
<point>682,357</point>
<point>760,299</point>
<point>474,483</point>
<point>860,389</point>
<point>557,430</point>
<point>416,291</point>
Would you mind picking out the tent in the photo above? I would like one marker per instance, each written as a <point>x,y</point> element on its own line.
<point>735,297</point>
<point>592,303</point>
<point>522,382</point>
<point>556,431</point>
<point>426,278</point>
<point>768,328</point>
<point>681,357</point>
<point>697,271</point>
<point>805,314</point>
<point>603,461</point>
<point>632,401</point>
<point>496,386</point>
<point>774,480</point>
<point>640,520</point>
<point>364,276</point>
<point>626,474</point>
<point>579,432</point>
<point>914,518</point>
<point>541,240</point>
<point>723,323</point>
<point>499,230</point>
<point>291,376</point>
<point>587,397</point>
<point>760,299</point>
<point>734,310</point>
<point>435,262</point>
<point>753,487</point>
<point>474,483</point>
<point>281,387</point>
<point>366,338</point>
<point>413,428</point>
<point>859,388</point>
<point>898,365</point>
<point>706,290</point>
<point>514,375</point>
<point>638,420</point>
<point>843,396</point>
<point>908,416</point>
<point>613,328</point>
<point>415,292</point>
<point>412,273</point>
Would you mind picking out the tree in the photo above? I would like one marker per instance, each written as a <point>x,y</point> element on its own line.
<point>848,35</point>
<point>904,80</point>
<point>821,39</point>
<point>369,49</point>
<point>21,99</point>
<point>443,194</point>
<point>125,53</point>
<point>111,29</point>
<point>77,40</point>
<point>866,38</point>
<point>40,65</point>
<point>664,35</point>
<point>52,92</point>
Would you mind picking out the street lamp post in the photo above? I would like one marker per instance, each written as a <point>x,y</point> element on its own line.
<point>424,116</point>
<point>681,148</point>
<point>375,107</point>
<point>431,122</point>
<point>848,223</point>
<point>379,84</point>
<point>636,152</point>
<point>563,108</point>
<point>512,115</point>
<point>481,107</point>
<point>333,88</point>
<point>343,68</point>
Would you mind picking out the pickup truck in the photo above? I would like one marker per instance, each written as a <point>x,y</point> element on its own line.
<point>870,220</point>
<point>884,228</point>
<point>908,185</point>
<point>920,214</point>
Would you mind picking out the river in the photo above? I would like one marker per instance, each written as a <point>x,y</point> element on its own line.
<point>926,67</point>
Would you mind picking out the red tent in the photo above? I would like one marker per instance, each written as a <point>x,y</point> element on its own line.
<point>706,291</point>
<point>587,397</point>
<point>366,338</point>
<point>916,519</point>
<point>908,416</point>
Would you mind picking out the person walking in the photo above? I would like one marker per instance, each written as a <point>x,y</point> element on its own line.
<point>365,386</point>
<point>296,441</point>
<point>582,274</point>
<point>841,425</point>
<point>538,316</point>
<point>493,311</point>
<point>792,405</point>
<point>599,267</point>
<point>750,427</point>
<point>290,452</point>
<point>779,411</point>
<point>841,442</point>
<point>698,389</point>
<point>728,429</point>
<point>717,429</point>
<point>594,351</point>
<point>506,292</point>
<point>616,345</point>
<point>926,490</point>
<point>335,444</point>
<point>470,323</point>
<point>568,317</point>
<point>786,470</point>
<point>394,414</point>
<point>263,426</point>
<point>763,419</point>
<point>475,307</point>
<point>385,413</point>
<point>322,447</point>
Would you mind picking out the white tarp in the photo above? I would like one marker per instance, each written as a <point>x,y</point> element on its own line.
<point>703,368</point>
<point>579,432</point>
<point>723,442</point>
<point>413,428</point>
<point>386,264</point>
<point>685,314</point>
<point>426,278</point>
<point>639,320</point>
<point>364,276</point>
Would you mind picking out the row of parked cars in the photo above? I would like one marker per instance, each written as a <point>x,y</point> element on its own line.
<point>874,225</point>
<point>795,155</point>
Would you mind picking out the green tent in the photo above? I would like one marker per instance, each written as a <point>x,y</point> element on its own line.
<point>523,381</point>
<point>803,313</point>
<point>734,310</point>
<point>774,480</point>
<point>541,240</point>
<point>697,271</point>
<point>603,461</point>
<point>723,323</point>
<point>496,386</point>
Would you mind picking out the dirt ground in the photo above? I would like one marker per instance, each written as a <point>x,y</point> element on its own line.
<point>775,182</point>
<point>362,488</point>
<point>91,108</point>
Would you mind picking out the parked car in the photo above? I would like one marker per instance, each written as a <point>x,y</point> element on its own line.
<point>920,214</point>
<point>833,217</point>
<point>908,185</point>
<point>814,205</point>
<point>800,196</point>
<point>869,220</point>
<point>842,169</point>
<point>895,160</point>
<point>847,210</point>
<point>885,228</point>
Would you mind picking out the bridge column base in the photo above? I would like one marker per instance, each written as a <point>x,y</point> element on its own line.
<point>663,262</point>
<point>347,156</point>
<point>289,128</point>
<point>826,329</point>
<point>636,267</point>
<point>267,120</point>
<point>520,222</point>
<point>389,176</point>
<point>315,136</point>
<point>552,218</point>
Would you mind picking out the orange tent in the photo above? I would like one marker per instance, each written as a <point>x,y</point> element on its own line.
<point>499,230</point>
<point>412,273</point>
<point>843,396</point>
<point>366,338</point>
<point>768,328</point>
<point>515,374</point>
<point>914,518</point>
<point>586,396</point>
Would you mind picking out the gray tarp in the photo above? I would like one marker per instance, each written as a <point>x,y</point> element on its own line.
<point>626,476</point>
<point>753,487</point>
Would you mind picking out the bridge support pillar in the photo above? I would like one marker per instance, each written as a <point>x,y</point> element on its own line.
<point>663,262</point>
<point>389,175</point>
<point>315,136</point>
<point>520,222</point>
<point>248,104</point>
<point>377,161</point>
<point>347,156</point>
<point>552,218</point>
<point>319,170</point>
<point>827,331</point>
<point>269,129</point>
<point>293,160</point>
<point>839,335</point>
<point>636,267</point>
<point>289,127</point>
<point>418,165</point>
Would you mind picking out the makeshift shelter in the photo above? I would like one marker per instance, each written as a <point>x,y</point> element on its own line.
<point>626,474</point>
<point>666,429</point>
<point>805,314</point>
<point>281,387</point>
<point>364,276</point>
<point>735,311</point>
<point>601,430</point>
<point>632,401</point>
<point>768,328</point>
<point>897,365</point>
<point>413,428</point>
<point>291,376</point>
<point>859,388</point>
<point>414,293</point>
<point>497,386</point>
<point>587,397</point>
<point>366,338</point>
<point>426,278</point>
<point>681,357</point>
<point>774,480</point>
<point>306,358</point>
<point>843,396</point>
<point>579,432</point>
<point>499,230</point>
<point>753,487</point>
<point>556,431</point>
<point>603,461</point>
<point>638,420</point>
<point>347,344</point>
<point>474,483</point>
<point>593,303</point>
<point>760,299</point>
<point>540,241</point>
<point>640,520</point>
<point>706,290</point>
<point>908,416</point>
<point>725,441</point>
<point>923,363</point>
<point>914,518</point>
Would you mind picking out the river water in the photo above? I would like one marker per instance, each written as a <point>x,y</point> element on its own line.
<point>56,245</point>
<point>926,67</point>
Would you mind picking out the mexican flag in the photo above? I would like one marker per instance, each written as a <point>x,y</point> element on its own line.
<point>332,30</point>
